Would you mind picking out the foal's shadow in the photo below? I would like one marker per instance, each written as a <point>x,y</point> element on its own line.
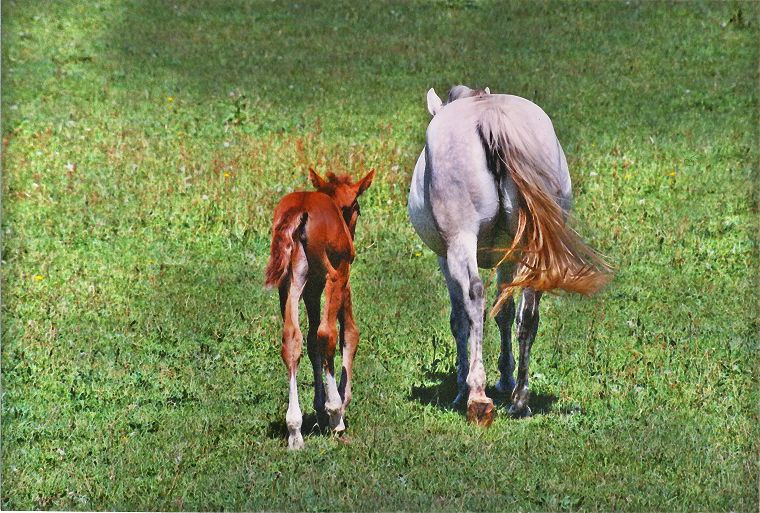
<point>443,394</point>
<point>312,425</point>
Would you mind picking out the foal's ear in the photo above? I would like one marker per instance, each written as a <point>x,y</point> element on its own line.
<point>317,181</point>
<point>433,102</point>
<point>364,183</point>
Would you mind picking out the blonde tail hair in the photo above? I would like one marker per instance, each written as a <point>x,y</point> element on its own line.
<point>551,254</point>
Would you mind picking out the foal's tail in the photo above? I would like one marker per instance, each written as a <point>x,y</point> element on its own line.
<point>550,253</point>
<point>284,231</point>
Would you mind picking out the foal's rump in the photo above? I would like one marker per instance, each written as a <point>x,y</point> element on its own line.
<point>313,219</point>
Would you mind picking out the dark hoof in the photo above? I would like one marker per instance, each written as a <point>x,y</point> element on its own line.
<point>520,413</point>
<point>520,398</point>
<point>480,411</point>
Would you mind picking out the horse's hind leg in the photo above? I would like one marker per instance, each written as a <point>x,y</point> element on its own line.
<point>292,341</point>
<point>527,327</point>
<point>504,320</point>
<point>460,329</point>
<point>466,291</point>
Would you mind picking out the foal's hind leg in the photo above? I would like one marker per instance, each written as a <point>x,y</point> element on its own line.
<point>504,320</point>
<point>327,340</point>
<point>311,298</point>
<point>527,327</point>
<point>292,341</point>
<point>349,337</point>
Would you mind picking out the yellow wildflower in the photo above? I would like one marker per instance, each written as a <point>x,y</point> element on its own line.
<point>38,277</point>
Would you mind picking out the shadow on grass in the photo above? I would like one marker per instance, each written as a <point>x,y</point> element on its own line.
<point>304,61</point>
<point>442,395</point>
<point>313,425</point>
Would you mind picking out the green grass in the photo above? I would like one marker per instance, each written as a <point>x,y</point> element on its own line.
<point>146,145</point>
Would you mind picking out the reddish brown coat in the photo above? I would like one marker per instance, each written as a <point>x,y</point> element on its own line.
<point>321,223</point>
<point>311,253</point>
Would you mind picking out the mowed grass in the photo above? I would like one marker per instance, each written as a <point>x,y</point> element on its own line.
<point>146,145</point>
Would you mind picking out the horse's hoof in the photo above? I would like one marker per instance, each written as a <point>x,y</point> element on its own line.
<point>480,411</point>
<point>520,413</point>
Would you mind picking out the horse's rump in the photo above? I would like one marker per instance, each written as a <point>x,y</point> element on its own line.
<point>284,230</point>
<point>550,253</point>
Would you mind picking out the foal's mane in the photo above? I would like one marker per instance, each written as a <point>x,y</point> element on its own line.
<point>333,181</point>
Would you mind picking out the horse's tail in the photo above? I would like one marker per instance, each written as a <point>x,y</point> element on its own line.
<point>284,230</point>
<point>550,253</point>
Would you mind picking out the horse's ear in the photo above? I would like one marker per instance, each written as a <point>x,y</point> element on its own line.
<point>317,181</point>
<point>488,90</point>
<point>364,183</point>
<point>433,102</point>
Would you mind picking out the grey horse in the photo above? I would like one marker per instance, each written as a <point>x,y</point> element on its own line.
<point>491,189</point>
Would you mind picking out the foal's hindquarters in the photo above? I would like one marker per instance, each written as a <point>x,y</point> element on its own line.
<point>311,253</point>
<point>321,340</point>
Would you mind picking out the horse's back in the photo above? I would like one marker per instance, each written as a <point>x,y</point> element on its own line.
<point>460,120</point>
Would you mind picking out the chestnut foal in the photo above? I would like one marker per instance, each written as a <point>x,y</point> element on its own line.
<point>312,250</point>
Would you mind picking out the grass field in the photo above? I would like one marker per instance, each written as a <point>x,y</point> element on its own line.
<point>146,144</point>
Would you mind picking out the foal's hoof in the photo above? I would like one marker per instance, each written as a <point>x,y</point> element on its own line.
<point>337,425</point>
<point>520,408</point>
<point>322,419</point>
<point>336,418</point>
<point>480,411</point>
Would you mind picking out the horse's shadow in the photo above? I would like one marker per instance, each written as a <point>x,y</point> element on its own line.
<point>443,394</point>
